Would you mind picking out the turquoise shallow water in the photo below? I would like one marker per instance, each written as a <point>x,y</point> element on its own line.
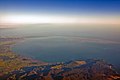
<point>60,48</point>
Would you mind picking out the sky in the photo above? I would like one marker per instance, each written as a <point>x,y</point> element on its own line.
<point>60,11</point>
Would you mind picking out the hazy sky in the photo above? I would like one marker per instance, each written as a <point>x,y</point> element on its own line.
<point>60,11</point>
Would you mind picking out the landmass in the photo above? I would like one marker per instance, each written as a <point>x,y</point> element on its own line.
<point>9,60</point>
<point>18,67</point>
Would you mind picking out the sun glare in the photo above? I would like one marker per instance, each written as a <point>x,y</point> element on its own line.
<point>17,19</point>
<point>32,19</point>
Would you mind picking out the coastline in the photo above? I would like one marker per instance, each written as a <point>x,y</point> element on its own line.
<point>14,67</point>
<point>8,58</point>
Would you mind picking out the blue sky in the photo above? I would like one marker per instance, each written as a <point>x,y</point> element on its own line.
<point>60,11</point>
<point>61,6</point>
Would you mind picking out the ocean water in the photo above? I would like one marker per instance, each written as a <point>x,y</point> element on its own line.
<point>61,43</point>
<point>60,49</point>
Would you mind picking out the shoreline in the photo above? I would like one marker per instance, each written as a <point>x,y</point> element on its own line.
<point>14,66</point>
<point>8,58</point>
